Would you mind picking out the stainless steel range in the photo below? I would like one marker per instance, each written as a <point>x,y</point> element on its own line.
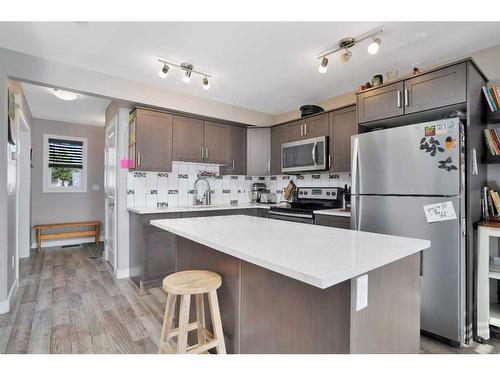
<point>306,200</point>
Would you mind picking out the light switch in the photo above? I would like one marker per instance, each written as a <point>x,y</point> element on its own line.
<point>361,292</point>
<point>95,187</point>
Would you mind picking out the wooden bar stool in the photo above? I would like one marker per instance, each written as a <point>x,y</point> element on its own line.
<point>185,284</point>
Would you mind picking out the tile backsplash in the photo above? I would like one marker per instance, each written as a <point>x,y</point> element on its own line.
<point>176,188</point>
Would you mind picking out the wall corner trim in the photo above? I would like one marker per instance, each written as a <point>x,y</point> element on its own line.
<point>122,273</point>
<point>6,305</point>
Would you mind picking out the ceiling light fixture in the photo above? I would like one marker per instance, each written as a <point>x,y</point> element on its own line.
<point>163,71</point>
<point>323,67</point>
<point>374,46</point>
<point>346,44</point>
<point>188,70</point>
<point>206,85</point>
<point>65,95</point>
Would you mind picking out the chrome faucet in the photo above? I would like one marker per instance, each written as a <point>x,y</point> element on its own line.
<point>205,200</point>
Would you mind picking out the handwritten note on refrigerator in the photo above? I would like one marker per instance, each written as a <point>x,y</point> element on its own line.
<point>440,212</point>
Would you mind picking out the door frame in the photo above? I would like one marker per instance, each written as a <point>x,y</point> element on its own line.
<point>23,191</point>
<point>111,126</point>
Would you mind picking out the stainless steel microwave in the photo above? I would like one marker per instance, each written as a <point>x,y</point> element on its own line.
<point>305,155</point>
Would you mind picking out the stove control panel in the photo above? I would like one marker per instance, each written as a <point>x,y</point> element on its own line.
<point>328,193</point>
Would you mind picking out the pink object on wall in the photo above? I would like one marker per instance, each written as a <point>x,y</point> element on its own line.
<point>126,163</point>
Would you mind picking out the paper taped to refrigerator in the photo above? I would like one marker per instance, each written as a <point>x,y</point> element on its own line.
<point>440,212</point>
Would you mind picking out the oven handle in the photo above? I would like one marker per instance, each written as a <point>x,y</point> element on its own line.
<point>290,215</point>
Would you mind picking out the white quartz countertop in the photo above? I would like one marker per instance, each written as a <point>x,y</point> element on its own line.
<point>316,255</point>
<point>333,212</point>
<point>214,207</point>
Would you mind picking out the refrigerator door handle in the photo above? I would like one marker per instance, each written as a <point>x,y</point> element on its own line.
<point>354,167</point>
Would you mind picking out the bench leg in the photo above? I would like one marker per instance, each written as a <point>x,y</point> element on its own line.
<point>38,241</point>
<point>97,234</point>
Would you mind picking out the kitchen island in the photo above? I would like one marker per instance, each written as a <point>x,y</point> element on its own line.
<point>298,288</point>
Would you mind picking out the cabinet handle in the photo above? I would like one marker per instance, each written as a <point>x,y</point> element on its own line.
<point>233,165</point>
<point>269,166</point>
<point>301,130</point>
<point>329,161</point>
<point>399,99</point>
<point>305,129</point>
<point>206,152</point>
<point>138,159</point>
<point>407,98</point>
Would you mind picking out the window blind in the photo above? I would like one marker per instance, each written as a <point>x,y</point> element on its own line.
<point>65,153</point>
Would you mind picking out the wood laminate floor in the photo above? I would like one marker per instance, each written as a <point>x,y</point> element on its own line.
<point>68,302</point>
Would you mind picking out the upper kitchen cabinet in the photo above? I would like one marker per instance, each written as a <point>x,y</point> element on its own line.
<point>315,126</point>
<point>279,135</point>
<point>259,151</point>
<point>237,151</point>
<point>377,104</point>
<point>216,142</point>
<point>150,140</point>
<point>342,126</point>
<point>436,89</point>
<point>188,137</point>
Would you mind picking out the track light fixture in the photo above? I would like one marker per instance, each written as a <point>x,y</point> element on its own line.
<point>323,67</point>
<point>206,85</point>
<point>163,71</point>
<point>188,70</point>
<point>346,44</point>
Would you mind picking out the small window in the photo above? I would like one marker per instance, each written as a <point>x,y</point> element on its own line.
<point>64,164</point>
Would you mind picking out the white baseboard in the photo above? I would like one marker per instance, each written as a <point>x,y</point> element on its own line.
<point>5,305</point>
<point>122,274</point>
<point>67,241</point>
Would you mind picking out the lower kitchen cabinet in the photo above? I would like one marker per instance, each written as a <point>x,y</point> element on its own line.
<point>342,126</point>
<point>333,221</point>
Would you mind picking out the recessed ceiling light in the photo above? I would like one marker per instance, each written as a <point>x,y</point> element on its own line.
<point>163,71</point>
<point>323,67</point>
<point>65,95</point>
<point>374,46</point>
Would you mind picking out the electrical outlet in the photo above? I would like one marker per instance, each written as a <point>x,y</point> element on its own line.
<point>361,292</point>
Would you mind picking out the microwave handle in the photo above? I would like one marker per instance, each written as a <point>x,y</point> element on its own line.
<point>313,152</point>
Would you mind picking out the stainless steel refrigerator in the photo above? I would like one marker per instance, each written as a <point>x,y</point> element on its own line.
<point>396,172</point>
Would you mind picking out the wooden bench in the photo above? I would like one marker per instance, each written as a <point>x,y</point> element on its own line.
<point>70,234</point>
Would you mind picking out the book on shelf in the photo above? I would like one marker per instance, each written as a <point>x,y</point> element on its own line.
<point>490,203</point>
<point>492,138</point>
<point>492,96</point>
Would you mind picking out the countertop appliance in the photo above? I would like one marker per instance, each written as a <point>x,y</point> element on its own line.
<point>305,155</point>
<point>306,200</point>
<point>401,175</point>
<point>310,109</point>
<point>257,189</point>
<point>266,197</point>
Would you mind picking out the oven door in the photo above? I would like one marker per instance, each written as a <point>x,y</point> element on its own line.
<point>295,217</point>
<point>305,155</point>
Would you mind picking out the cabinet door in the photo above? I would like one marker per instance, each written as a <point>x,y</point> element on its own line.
<point>279,135</point>
<point>295,130</point>
<point>188,139</point>
<point>316,126</point>
<point>216,142</point>
<point>238,150</point>
<point>153,146</point>
<point>342,126</point>
<point>259,151</point>
<point>333,221</point>
<point>381,103</point>
<point>436,89</point>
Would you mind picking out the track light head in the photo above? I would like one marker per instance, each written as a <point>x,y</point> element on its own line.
<point>346,56</point>
<point>206,84</point>
<point>323,67</point>
<point>163,71</point>
<point>374,46</point>
<point>188,69</point>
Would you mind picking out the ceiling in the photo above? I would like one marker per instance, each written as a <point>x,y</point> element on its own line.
<point>268,67</point>
<point>86,110</point>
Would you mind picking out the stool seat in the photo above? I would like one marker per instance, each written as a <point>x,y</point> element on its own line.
<point>192,282</point>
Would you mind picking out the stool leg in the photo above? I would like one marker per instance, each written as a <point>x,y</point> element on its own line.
<point>216,321</point>
<point>167,321</point>
<point>200,318</point>
<point>183,323</point>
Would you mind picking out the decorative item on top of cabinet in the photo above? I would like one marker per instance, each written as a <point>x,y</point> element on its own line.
<point>150,140</point>
<point>342,126</point>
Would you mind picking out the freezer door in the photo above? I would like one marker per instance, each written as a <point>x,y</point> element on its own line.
<point>421,159</point>
<point>443,263</point>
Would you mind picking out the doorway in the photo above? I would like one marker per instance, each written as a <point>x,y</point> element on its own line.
<point>110,159</point>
